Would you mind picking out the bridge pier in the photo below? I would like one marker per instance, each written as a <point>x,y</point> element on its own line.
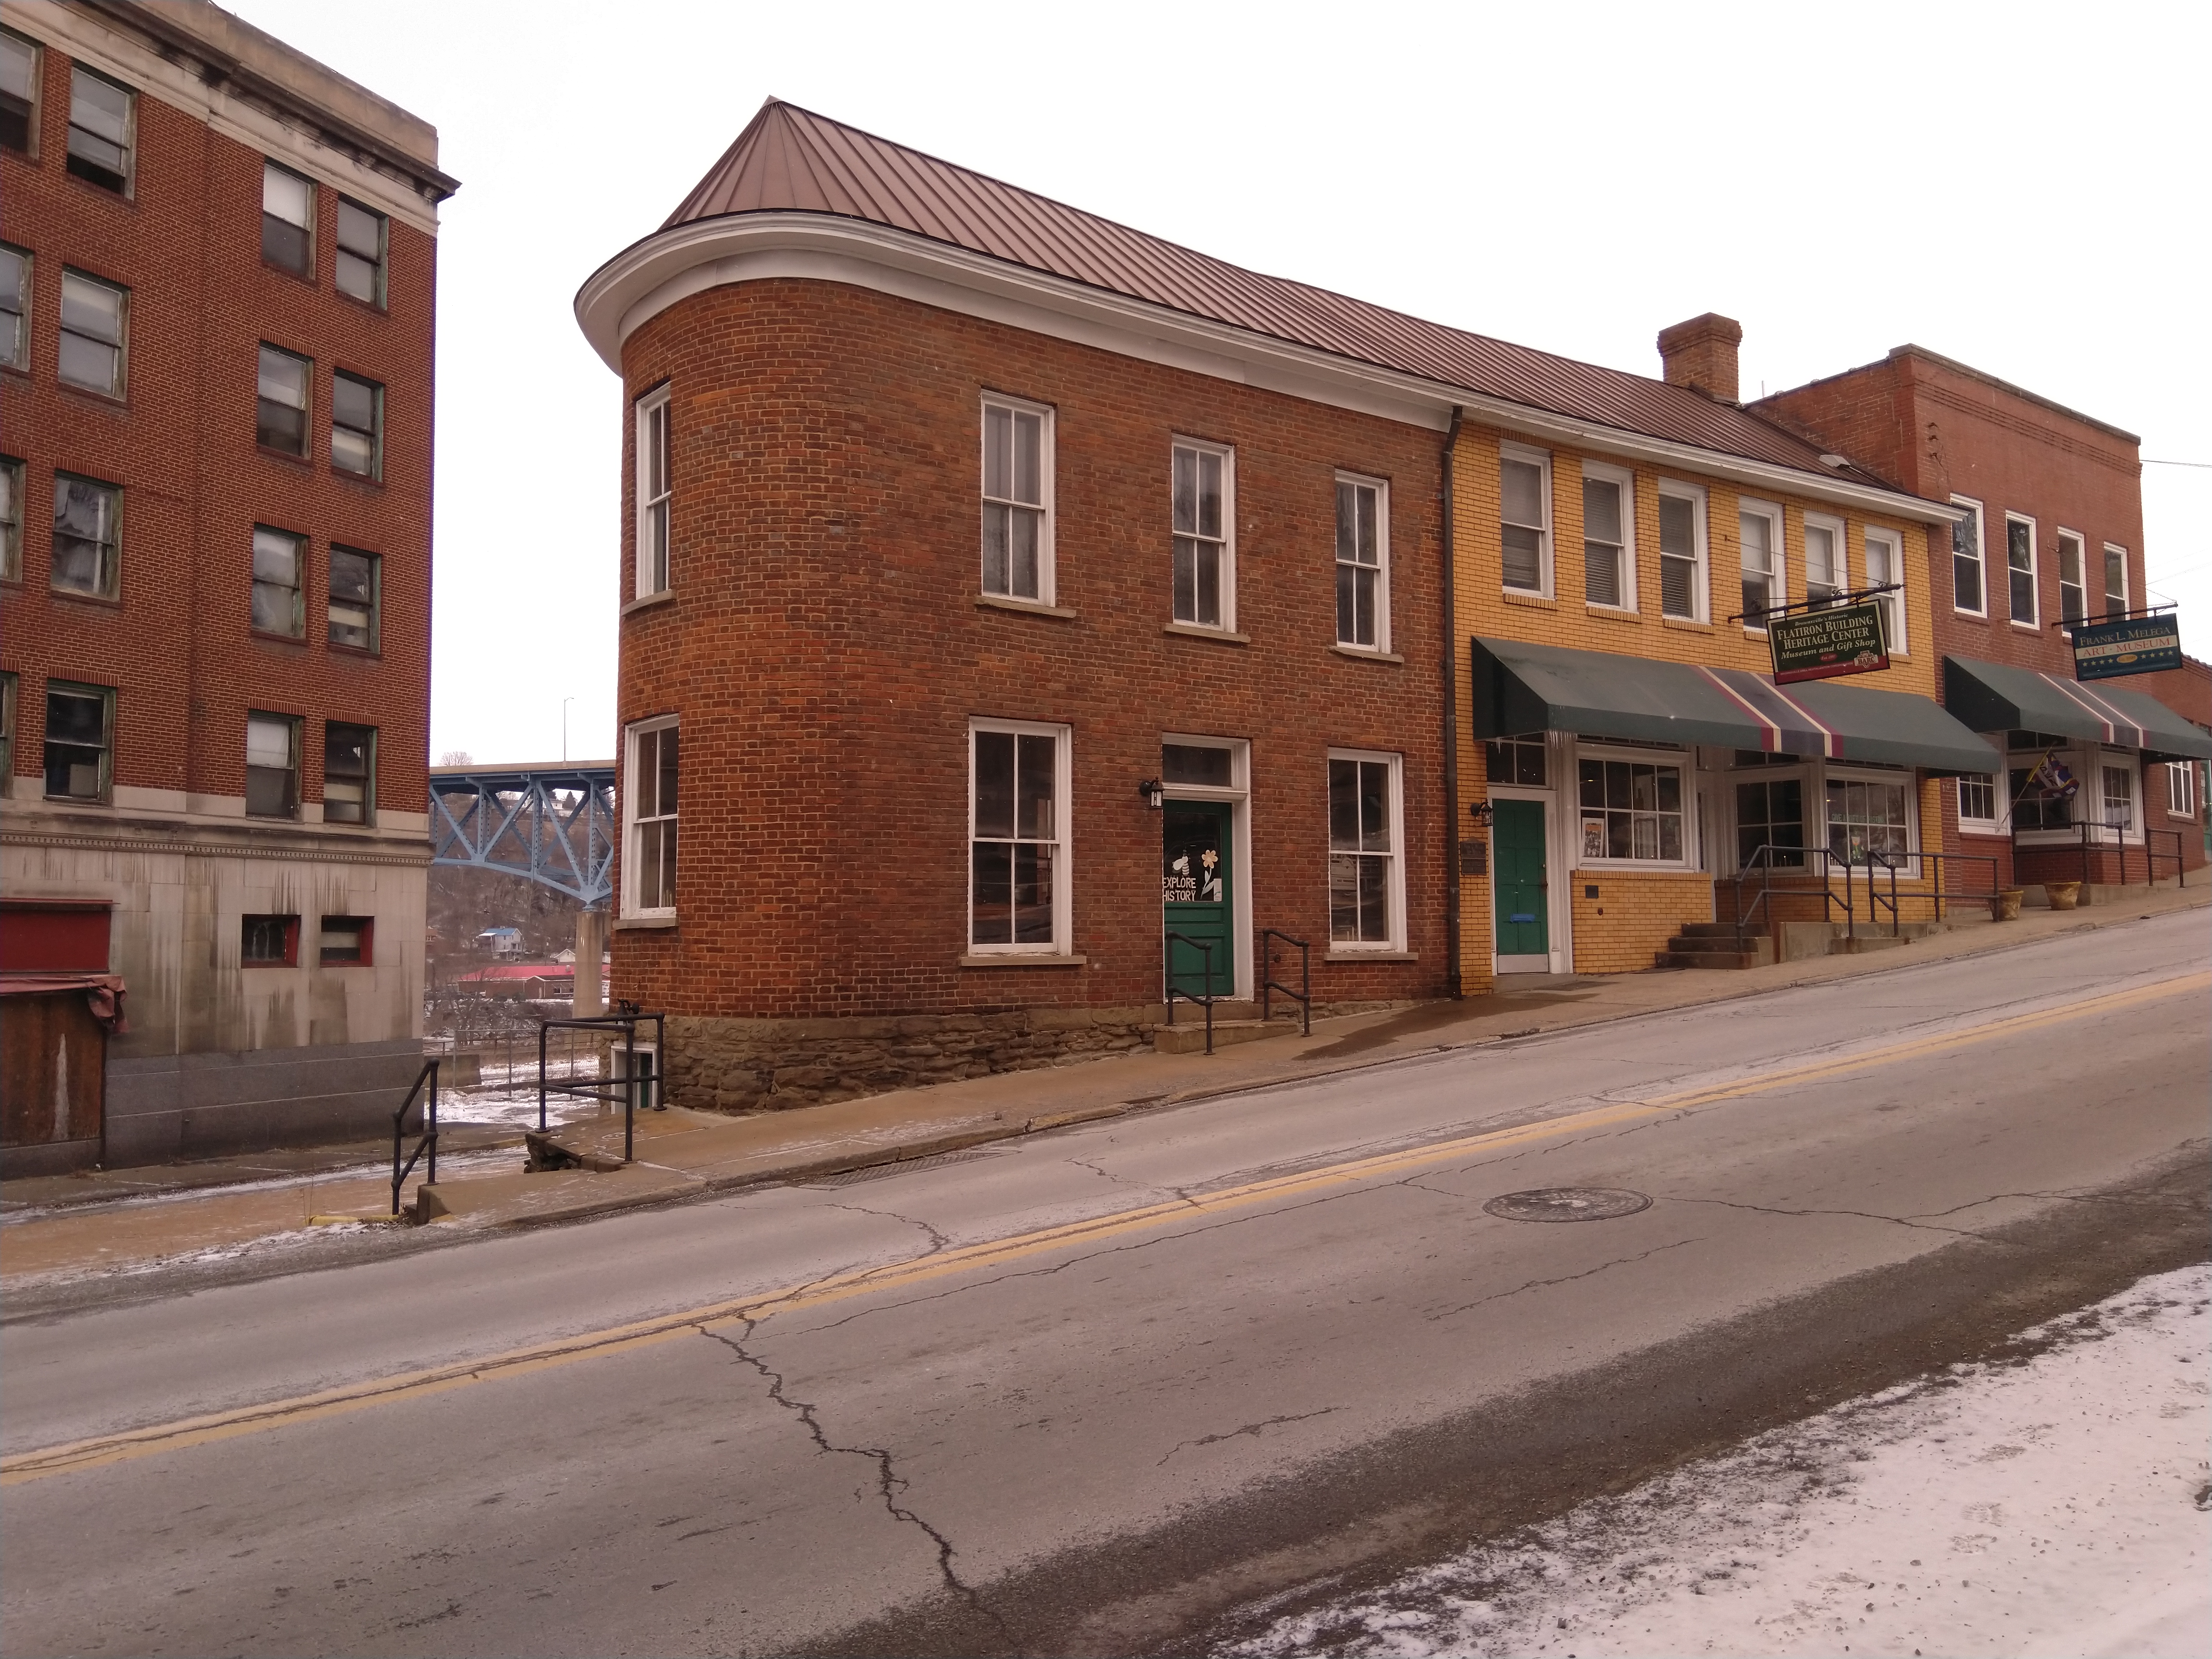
<point>590,943</point>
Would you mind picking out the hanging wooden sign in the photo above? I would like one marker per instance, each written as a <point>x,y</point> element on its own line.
<point>1820,644</point>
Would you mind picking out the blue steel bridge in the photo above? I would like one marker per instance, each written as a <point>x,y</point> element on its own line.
<point>552,822</point>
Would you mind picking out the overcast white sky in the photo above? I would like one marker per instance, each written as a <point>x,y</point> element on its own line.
<point>2020,187</point>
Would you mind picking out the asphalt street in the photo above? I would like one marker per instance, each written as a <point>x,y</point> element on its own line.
<point>1129,1385</point>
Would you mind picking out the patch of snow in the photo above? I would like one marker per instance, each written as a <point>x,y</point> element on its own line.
<point>2055,1504</point>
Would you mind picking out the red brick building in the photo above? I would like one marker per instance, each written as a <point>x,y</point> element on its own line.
<point>999,583</point>
<point>215,366</point>
<point>2052,534</point>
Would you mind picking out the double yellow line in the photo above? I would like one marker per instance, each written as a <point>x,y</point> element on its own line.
<point>943,1264</point>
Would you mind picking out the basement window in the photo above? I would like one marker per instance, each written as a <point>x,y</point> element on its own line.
<point>346,941</point>
<point>268,941</point>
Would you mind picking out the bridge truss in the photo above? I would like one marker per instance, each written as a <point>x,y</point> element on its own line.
<point>553,824</point>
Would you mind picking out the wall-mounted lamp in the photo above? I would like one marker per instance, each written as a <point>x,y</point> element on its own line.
<point>1151,790</point>
<point>1480,812</point>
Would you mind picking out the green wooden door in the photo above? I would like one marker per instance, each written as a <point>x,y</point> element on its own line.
<point>1197,894</point>
<point>1516,850</point>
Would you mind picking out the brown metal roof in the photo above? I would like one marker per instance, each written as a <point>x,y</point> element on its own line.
<point>791,159</point>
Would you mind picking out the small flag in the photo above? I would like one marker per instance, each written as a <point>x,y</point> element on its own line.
<point>2052,781</point>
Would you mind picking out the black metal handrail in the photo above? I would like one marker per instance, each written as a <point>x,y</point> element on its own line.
<point>2089,834</point>
<point>1204,946</point>
<point>1304,995</point>
<point>2151,856</point>
<point>427,1144</point>
<point>1769,859</point>
<point>637,1083</point>
<point>1941,889</point>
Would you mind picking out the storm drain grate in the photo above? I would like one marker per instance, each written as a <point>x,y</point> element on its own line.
<point>1567,1203</point>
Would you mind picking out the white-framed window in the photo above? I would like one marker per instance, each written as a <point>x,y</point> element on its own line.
<point>1765,583</point>
<point>1524,516</point>
<point>1017,864</point>
<point>272,765</point>
<point>2181,788</point>
<point>102,118</point>
<point>2020,570</point>
<point>649,795</point>
<point>1978,801</point>
<point>1609,536</point>
<point>654,491</point>
<point>2035,799</point>
<point>1363,563</point>
<point>1869,814</point>
<point>1828,571</point>
<point>1681,552</point>
<point>1885,564</point>
<point>288,221</point>
<point>95,327</point>
<point>1017,457</point>
<point>363,235</point>
<point>2116,795</point>
<point>2115,580</point>
<point>1969,592</point>
<point>1632,806</point>
<point>1366,864</point>
<point>14,306</point>
<point>2073,578</point>
<point>1203,488</point>
<point>280,568</point>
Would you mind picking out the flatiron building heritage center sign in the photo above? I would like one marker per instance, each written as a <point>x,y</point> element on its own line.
<point>1820,644</point>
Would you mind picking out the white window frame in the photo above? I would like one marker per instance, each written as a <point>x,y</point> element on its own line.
<point>1841,772</point>
<point>1546,581</point>
<point>1969,824</point>
<point>1701,607</point>
<point>2079,543</point>
<point>2181,789</point>
<point>2127,585</point>
<point>1227,624</point>
<point>2034,620</point>
<point>631,823</point>
<point>1891,605</point>
<point>1381,643</point>
<point>1568,794</point>
<point>1394,899</point>
<point>653,506</point>
<point>1777,589</point>
<point>1839,573</point>
<point>2132,827</point>
<point>1979,520</point>
<point>1048,579</point>
<point>1605,472</point>
<point>1063,917</point>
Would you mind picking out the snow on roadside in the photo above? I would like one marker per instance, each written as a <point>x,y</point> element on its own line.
<point>2055,1505</point>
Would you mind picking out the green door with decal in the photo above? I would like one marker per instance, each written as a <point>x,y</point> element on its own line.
<point>1197,894</point>
<point>1516,850</point>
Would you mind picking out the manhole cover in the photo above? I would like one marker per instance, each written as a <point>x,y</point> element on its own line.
<point>1568,1204</point>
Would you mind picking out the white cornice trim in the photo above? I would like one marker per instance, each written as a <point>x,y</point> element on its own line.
<point>91,42</point>
<point>644,280</point>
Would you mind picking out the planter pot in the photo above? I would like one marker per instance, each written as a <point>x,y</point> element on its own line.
<point>2004,904</point>
<point>2064,895</point>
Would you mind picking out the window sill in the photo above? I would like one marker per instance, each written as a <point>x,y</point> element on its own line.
<point>76,800</point>
<point>113,400</point>
<point>646,602</point>
<point>1614,612</point>
<point>1011,960</point>
<point>265,637</point>
<point>358,304</point>
<point>1371,956</point>
<point>112,601</point>
<point>1981,616</point>
<point>1522,596</point>
<point>643,924</point>
<point>1028,607</point>
<point>305,278</point>
<point>1194,631</point>
<point>363,651</point>
<point>2027,627</point>
<point>366,480</point>
<point>292,457</point>
<point>1361,654</point>
<point>1685,625</point>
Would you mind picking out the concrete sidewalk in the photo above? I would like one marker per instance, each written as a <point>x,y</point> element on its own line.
<point>681,1153</point>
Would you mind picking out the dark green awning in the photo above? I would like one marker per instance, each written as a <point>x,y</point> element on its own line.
<point>1991,696</point>
<point>1522,687</point>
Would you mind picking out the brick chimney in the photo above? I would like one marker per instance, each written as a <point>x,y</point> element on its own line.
<point>1700,354</point>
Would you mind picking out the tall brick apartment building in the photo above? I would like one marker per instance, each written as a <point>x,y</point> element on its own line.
<point>215,405</point>
<point>2051,533</point>
<point>1011,601</point>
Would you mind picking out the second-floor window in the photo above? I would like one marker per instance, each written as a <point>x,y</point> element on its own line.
<point>1967,584</point>
<point>100,130</point>
<point>1826,575</point>
<point>353,605</point>
<point>279,564</point>
<point>94,316</point>
<point>655,490</point>
<point>361,242</point>
<point>348,772</point>
<point>80,738</point>
<point>357,425</point>
<point>1363,571</point>
<point>2020,569</point>
<point>1016,511</point>
<point>1524,521</point>
<point>280,402</point>
<point>1681,553</point>
<point>287,220</point>
<point>1607,577</point>
<point>14,306</point>
<point>1759,532</point>
<point>1885,565</point>
<point>2073,588</point>
<point>88,537</point>
<point>273,766</point>
<point>649,805</point>
<point>2115,580</point>
<point>1205,574</point>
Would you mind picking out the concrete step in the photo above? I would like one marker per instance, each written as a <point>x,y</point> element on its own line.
<point>1725,941</point>
<point>1188,1035</point>
<point>1857,944</point>
<point>1708,930</point>
<point>1753,958</point>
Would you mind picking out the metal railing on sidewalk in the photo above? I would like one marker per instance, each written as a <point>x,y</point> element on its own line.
<point>1802,862</point>
<point>636,1085</point>
<point>1205,947</point>
<point>1303,996</point>
<point>426,1089</point>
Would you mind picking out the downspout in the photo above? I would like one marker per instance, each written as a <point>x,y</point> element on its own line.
<point>1451,837</point>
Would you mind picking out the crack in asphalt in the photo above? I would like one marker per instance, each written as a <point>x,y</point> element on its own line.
<point>937,1241</point>
<point>1864,1215</point>
<point>890,1484</point>
<point>1249,1428</point>
<point>1563,1278</point>
<point>2124,1201</point>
